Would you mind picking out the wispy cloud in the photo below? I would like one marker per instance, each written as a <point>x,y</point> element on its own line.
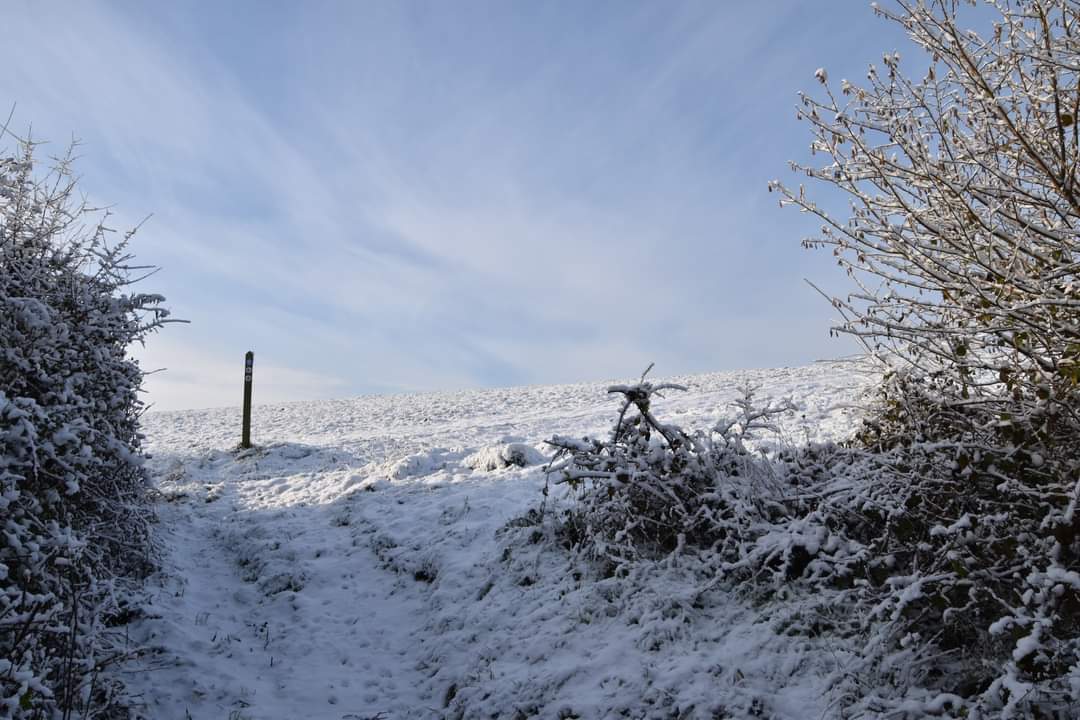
<point>409,196</point>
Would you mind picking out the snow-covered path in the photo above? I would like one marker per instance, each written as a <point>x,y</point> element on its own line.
<point>350,567</point>
<point>274,611</point>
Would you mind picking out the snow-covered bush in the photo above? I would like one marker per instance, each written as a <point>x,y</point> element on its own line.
<point>73,504</point>
<point>652,489</point>
<point>969,578</point>
<point>962,239</point>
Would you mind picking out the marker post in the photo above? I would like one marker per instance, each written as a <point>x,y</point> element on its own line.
<point>249,366</point>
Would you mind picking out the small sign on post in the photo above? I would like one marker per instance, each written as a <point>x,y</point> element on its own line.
<point>249,366</point>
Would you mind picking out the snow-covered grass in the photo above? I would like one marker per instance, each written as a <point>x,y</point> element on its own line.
<point>369,559</point>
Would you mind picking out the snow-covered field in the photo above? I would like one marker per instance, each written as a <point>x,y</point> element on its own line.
<point>355,565</point>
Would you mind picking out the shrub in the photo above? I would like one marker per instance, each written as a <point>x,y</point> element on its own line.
<point>653,489</point>
<point>962,241</point>
<point>970,582</point>
<point>73,503</point>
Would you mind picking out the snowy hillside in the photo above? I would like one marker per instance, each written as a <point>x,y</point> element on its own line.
<point>354,565</point>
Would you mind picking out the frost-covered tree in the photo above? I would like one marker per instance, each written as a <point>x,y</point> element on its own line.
<point>963,234</point>
<point>74,512</point>
<point>963,243</point>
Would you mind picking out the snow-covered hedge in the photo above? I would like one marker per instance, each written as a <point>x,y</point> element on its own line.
<point>945,563</point>
<point>73,504</point>
<point>961,236</point>
<point>972,570</point>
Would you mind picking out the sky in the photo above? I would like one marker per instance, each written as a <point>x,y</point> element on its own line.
<point>388,196</point>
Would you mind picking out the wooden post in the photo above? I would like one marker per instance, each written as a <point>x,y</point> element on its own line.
<point>249,366</point>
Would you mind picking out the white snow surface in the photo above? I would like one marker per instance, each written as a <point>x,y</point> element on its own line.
<point>352,566</point>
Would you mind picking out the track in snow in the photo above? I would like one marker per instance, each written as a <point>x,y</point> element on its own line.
<point>274,611</point>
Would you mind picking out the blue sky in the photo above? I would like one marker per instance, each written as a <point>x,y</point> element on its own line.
<point>397,196</point>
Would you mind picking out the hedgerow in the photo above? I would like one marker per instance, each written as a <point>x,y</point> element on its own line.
<point>74,508</point>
